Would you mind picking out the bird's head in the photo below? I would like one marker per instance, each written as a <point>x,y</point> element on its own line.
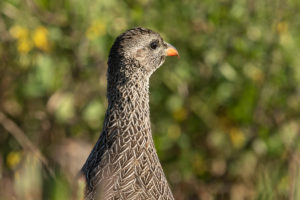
<point>143,48</point>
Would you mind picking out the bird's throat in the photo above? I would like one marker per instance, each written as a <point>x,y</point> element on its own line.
<point>128,108</point>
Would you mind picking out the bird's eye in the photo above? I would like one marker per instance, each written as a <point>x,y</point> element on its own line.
<point>154,44</point>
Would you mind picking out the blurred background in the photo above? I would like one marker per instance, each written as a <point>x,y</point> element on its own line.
<point>225,116</point>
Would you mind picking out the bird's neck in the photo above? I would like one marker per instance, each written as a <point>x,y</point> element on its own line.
<point>128,105</point>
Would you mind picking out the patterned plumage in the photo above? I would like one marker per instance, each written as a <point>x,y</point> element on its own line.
<point>124,164</point>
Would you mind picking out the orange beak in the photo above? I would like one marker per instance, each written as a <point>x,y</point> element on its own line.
<point>171,51</point>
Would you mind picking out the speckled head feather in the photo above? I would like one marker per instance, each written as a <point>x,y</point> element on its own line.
<point>124,164</point>
<point>143,47</point>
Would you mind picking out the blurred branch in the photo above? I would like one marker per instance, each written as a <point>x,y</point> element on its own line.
<point>9,10</point>
<point>4,35</point>
<point>45,16</point>
<point>23,140</point>
<point>294,165</point>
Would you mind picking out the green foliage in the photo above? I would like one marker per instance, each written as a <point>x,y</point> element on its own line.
<point>225,116</point>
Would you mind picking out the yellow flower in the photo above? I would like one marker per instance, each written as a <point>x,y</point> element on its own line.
<point>13,159</point>
<point>96,29</point>
<point>174,131</point>
<point>237,137</point>
<point>282,27</point>
<point>24,45</point>
<point>19,32</point>
<point>180,114</point>
<point>40,38</point>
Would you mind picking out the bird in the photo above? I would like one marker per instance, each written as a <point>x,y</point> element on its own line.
<point>124,163</point>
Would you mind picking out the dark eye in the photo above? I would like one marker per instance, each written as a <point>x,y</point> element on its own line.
<point>154,44</point>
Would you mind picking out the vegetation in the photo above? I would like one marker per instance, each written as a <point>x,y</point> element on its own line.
<point>225,116</point>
